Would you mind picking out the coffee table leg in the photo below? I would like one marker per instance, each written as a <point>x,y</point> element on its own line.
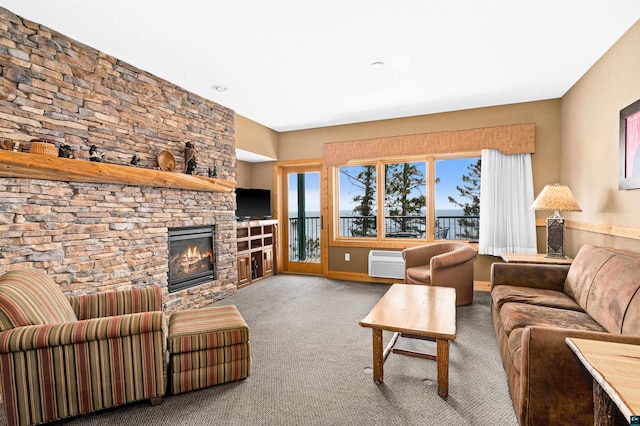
<point>442,360</point>
<point>377,356</point>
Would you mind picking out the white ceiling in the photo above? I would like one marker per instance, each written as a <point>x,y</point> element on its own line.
<point>296,64</point>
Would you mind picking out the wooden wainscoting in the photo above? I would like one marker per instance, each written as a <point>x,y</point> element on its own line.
<point>598,228</point>
<point>617,231</point>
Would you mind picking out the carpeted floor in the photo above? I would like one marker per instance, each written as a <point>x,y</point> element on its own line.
<point>311,365</point>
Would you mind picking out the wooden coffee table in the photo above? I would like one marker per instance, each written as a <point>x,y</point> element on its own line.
<point>415,311</point>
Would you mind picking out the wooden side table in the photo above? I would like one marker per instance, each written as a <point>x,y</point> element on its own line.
<point>534,258</point>
<point>614,368</point>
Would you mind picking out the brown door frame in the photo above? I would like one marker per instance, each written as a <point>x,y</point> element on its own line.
<point>281,171</point>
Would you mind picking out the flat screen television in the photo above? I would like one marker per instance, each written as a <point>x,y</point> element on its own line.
<point>253,203</point>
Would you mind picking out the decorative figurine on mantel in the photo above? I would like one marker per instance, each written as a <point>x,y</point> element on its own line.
<point>190,162</point>
<point>213,173</point>
<point>9,145</point>
<point>94,155</point>
<point>65,151</point>
<point>135,160</point>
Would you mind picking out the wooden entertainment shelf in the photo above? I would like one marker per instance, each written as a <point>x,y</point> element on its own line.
<point>256,250</point>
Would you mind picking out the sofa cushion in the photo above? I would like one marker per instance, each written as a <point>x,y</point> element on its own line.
<point>518,315</point>
<point>30,297</point>
<point>614,287</point>
<point>583,270</point>
<point>533,296</point>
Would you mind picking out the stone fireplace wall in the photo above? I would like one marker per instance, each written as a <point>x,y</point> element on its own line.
<point>94,237</point>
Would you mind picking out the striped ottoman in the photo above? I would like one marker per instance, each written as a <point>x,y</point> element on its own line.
<point>207,347</point>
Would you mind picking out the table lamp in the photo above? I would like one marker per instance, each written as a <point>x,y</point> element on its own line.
<point>557,198</point>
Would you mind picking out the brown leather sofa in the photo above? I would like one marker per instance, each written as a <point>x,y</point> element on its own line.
<point>442,264</point>
<point>535,307</point>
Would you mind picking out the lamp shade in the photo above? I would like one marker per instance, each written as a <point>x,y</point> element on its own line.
<point>556,197</point>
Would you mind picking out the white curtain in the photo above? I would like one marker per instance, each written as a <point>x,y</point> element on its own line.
<point>507,224</point>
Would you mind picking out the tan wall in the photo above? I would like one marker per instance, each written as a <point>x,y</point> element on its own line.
<point>546,161</point>
<point>310,143</point>
<point>262,175</point>
<point>590,114</point>
<point>255,137</point>
<point>254,175</point>
<point>243,174</point>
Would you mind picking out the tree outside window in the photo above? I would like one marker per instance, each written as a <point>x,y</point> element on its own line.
<point>458,199</point>
<point>358,200</point>
<point>405,202</point>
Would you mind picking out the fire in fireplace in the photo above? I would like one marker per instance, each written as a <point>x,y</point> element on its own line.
<point>191,256</point>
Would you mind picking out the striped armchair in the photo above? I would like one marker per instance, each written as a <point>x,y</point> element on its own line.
<point>60,357</point>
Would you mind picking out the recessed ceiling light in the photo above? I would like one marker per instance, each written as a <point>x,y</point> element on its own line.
<point>377,65</point>
<point>219,88</point>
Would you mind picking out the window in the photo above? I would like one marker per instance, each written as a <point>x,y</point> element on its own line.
<point>358,201</point>
<point>391,199</point>
<point>405,200</point>
<point>457,199</point>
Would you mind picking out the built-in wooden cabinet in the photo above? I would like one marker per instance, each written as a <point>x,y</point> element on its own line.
<point>268,261</point>
<point>256,250</point>
<point>244,270</point>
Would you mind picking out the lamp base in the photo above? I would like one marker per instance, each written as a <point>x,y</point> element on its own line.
<point>554,256</point>
<point>555,237</point>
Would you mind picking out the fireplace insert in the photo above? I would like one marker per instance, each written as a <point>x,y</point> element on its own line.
<point>191,256</point>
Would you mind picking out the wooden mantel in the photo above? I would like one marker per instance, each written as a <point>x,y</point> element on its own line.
<point>23,165</point>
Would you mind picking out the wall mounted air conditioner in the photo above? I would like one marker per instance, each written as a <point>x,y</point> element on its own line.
<point>386,264</point>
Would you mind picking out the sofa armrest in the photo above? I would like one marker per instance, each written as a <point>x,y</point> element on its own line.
<point>554,387</point>
<point>543,276</point>
<point>120,302</point>
<point>34,337</point>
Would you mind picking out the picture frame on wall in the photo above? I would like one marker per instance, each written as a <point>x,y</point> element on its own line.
<point>629,170</point>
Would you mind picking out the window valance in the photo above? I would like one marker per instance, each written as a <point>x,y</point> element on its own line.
<point>509,139</point>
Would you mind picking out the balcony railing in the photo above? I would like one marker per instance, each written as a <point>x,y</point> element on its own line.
<point>307,231</point>
<point>457,227</point>
<point>446,228</point>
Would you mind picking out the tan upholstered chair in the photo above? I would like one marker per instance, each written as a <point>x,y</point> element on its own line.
<point>63,356</point>
<point>442,264</point>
